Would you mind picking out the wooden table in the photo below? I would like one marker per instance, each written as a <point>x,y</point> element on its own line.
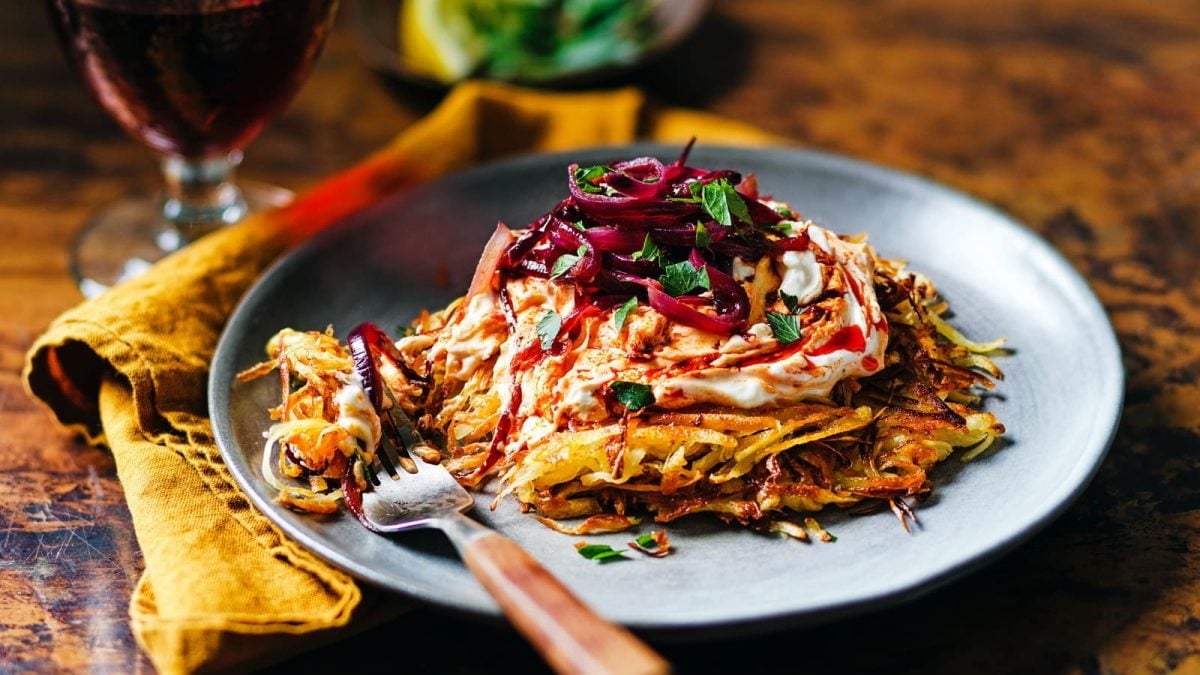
<point>1080,117</point>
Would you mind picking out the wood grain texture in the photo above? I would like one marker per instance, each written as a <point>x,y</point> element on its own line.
<point>1081,118</point>
<point>567,633</point>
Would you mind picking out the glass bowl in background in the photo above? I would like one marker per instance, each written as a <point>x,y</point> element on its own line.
<point>533,42</point>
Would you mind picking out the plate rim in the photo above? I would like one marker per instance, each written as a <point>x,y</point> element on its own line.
<point>1109,399</point>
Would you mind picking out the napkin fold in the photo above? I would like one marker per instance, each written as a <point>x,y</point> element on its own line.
<point>223,587</point>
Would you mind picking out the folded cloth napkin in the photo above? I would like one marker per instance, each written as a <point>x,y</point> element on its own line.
<point>223,587</point>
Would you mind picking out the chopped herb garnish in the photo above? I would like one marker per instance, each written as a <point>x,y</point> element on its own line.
<point>650,251</point>
<point>723,203</point>
<point>790,301</point>
<point>702,237</point>
<point>784,227</point>
<point>622,313</point>
<point>786,327</point>
<point>632,395</point>
<point>585,176</point>
<point>600,552</point>
<point>566,261</point>
<point>404,330</point>
<point>647,541</point>
<point>683,277</point>
<point>547,329</point>
<point>578,225</point>
<point>785,212</point>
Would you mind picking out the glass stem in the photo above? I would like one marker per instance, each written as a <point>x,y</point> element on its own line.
<point>200,197</point>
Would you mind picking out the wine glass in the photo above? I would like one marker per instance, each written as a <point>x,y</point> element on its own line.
<point>195,81</point>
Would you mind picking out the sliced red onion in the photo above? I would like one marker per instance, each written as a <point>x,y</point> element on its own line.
<point>640,178</point>
<point>564,235</point>
<point>623,263</point>
<point>796,243</point>
<point>615,239</point>
<point>525,243</point>
<point>762,214</point>
<point>678,311</point>
<point>353,498</point>
<point>628,211</point>
<point>360,341</point>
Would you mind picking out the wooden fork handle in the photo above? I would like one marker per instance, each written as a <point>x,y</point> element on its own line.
<point>571,637</point>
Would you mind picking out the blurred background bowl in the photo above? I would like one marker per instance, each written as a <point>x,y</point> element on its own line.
<point>543,43</point>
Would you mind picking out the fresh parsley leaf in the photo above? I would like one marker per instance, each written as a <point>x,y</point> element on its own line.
<point>601,552</point>
<point>737,203</point>
<point>683,277</point>
<point>566,261</point>
<point>702,237</point>
<point>622,313</point>
<point>650,251</point>
<point>723,203</point>
<point>547,329</point>
<point>578,225</point>
<point>715,203</point>
<point>632,395</point>
<point>585,176</point>
<point>647,541</point>
<point>785,327</point>
<point>790,301</point>
<point>695,188</point>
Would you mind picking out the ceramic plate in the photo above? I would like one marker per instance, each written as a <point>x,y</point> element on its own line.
<point>1060,399</point>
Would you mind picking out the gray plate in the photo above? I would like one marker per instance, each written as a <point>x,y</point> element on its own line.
<point>1060,400</point>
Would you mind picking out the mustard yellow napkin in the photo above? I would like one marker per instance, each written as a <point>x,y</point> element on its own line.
<point>223,587</point>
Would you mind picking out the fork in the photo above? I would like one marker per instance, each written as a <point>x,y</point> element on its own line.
<point>410,493</point>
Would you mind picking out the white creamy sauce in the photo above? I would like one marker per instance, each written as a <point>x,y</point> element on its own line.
<point>580,399</point>
<point>471,342</point>
<point>356,414</point>
<point>801,276</point>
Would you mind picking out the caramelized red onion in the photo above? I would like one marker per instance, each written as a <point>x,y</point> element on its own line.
<point>608,218</point>
<point>360,340</point>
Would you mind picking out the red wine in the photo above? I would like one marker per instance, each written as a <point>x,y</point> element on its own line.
<point>193,78</point>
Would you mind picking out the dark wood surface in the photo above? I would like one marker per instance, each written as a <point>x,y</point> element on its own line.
<point>1081,118</point>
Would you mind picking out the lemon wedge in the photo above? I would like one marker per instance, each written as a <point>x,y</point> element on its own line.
<point>437,39</point>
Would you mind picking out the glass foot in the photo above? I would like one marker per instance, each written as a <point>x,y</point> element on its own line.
<point>126,238</point>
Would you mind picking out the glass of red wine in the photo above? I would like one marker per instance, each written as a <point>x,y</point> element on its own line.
<point>195,81</point>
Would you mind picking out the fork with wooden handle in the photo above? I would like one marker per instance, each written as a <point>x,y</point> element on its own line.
<point>409,493</point>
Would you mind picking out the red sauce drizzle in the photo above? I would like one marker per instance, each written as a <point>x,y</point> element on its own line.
<point>849,338</point>
<point>503,428</point>
<point>855,288</point>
